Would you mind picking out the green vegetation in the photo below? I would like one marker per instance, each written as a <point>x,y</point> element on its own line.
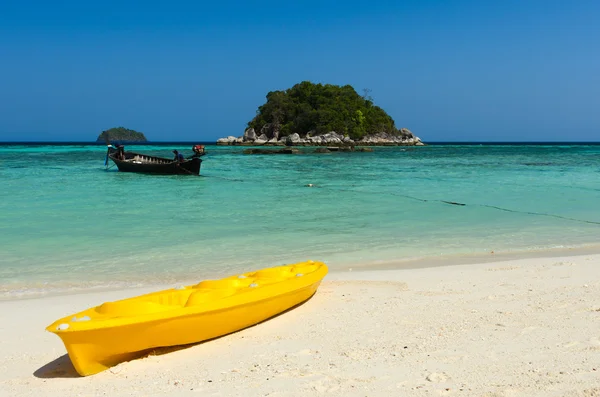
<point>318,108</point>
<point>121,134</point>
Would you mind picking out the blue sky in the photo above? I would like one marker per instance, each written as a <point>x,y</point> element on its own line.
<point>197,71</point>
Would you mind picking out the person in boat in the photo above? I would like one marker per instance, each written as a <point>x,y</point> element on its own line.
<point>178,156</point>
<point>121,152</point>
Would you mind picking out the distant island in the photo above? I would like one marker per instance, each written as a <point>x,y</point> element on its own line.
<point>321,114</point>
<point>121,134</point>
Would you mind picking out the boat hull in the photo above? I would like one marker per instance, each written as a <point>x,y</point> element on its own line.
<point>95,349</point>
<point>189,167</point>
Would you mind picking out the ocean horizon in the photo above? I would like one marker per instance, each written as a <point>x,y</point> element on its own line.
<point>67,223</point>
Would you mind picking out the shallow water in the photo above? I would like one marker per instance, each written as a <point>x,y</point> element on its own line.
<point>66,223</point>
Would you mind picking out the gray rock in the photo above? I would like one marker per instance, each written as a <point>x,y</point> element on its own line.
<point>322,150</point>
<point>226,141</point>
<point>249,135</point>
<point>287,150</point>
<point>406,132</point>
<point>267,130</point>
<point>332,137</point>
<point>292,139</point>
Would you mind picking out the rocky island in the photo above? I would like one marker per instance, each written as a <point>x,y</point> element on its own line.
<point>311,114</point>
<point>121,134</point>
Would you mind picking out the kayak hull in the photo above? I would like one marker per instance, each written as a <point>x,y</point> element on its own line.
<point>130,328</point>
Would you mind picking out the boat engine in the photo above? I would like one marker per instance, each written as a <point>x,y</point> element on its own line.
<point>198,149</point>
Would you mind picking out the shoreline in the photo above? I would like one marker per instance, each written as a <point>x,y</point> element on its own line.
<point>518,327</point>
<point>478,258</point>
<point>379,265</point>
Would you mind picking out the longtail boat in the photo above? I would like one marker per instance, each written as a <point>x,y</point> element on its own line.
<point>136,162</point>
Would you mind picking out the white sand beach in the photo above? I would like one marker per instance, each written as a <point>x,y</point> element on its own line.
<point>526,327</point>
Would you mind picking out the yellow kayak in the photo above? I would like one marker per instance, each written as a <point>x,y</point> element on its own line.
<point>105,335</point>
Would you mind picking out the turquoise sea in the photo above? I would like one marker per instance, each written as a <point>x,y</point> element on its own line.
<point>67,223</point>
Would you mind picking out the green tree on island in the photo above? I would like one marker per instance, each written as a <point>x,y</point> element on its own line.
<point>320,108</point>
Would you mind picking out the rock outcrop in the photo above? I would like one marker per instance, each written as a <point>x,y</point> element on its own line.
<point>270,137</point>
<point>285,150</point>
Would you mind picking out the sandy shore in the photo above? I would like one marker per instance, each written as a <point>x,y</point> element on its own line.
<point>528,327</point>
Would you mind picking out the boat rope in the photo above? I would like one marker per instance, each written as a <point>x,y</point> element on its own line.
<point>480,205</point>
<point>567,218</point>
<point>539,214</point>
